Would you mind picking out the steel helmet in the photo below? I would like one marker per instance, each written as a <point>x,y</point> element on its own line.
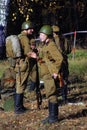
<point>55,28</point>
<point>46,29</point>
<point>27,25</point>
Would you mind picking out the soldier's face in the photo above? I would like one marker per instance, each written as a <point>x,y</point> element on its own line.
<point>43,37</point>
<point>30,31</point>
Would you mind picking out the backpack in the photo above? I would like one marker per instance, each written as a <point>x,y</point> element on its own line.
<point>13,48</point>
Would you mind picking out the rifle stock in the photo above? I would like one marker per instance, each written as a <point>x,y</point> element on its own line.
<point>61,81</point>
<point>39,99</point>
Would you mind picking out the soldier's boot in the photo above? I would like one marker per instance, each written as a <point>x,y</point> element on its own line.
<point>53,114</point>
<point>23,107</point>
<point>19,104</point>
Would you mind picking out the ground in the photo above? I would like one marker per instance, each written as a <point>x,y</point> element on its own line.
<point>72,116</point>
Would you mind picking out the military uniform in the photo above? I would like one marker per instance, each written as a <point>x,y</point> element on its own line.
<point>65,48</point>
<point>33,66</point>
<point>13,53</point>
<point>50,63</point>
<point>22,69</point>
<point>8,79</point>
<point>62,46</point>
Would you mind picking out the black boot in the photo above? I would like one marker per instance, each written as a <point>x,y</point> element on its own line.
<point>19,104</point>
<point>53,114</point>
<point>23,107</point>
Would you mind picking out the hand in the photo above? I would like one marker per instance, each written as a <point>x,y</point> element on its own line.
<point>38,49</point>
<point>54,75</point>
<point>32,54</point>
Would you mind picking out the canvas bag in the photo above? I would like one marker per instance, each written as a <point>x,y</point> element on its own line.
<point>13,48</point>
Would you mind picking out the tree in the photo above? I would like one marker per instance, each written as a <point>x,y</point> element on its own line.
<point>68,15</point>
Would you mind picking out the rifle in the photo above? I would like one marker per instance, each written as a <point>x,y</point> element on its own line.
<point>39,99</point>
<point>38,92</point>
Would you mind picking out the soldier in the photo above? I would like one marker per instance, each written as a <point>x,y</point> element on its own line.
<point>8,79</point>
<point>50,60</point>
<point>13,53</point>
<point>30,91</point>
<point>65,48</point>
<point>35,89</point>
<point>33,62</point>
<point>23,66</point>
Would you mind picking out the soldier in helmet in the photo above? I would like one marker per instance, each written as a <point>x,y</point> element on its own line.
<point>56,30</point>
<point>65,48</point>
<point>22,69</point>
<point>49,64</point>
<point>33,63</point>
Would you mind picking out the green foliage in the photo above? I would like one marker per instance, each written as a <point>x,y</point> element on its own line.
<point>78,66</point>
<point>79,54</point>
